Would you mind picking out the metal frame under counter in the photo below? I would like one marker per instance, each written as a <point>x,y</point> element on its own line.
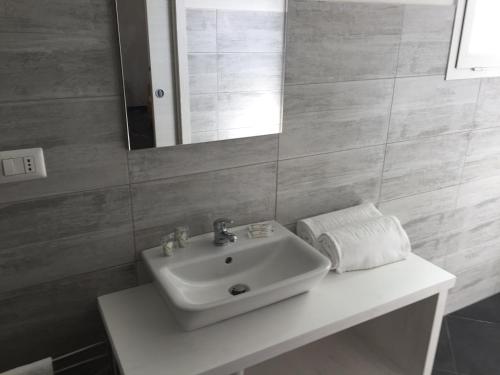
<point>381,321</point>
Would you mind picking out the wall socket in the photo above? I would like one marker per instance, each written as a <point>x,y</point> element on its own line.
<point>22,165</point>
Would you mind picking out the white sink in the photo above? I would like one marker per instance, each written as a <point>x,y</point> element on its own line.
<point>197,281</point>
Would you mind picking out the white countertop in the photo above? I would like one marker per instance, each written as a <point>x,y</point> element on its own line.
<point>147,341</point>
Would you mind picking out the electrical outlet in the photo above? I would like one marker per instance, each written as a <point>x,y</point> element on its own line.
<point>29,164</point>
<point>21,165</point>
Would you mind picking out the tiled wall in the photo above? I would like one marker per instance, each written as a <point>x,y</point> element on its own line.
<point>367,117</point>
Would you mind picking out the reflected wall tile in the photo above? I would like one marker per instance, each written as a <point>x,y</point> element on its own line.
<point>425,39</point>
<point>341,41</point>
<point>250,31</point>
<point>483,155</point>
<point>203,109</point>
<point>201,30</point>
<point>153,164</point>
<point>55,318</point>
<point>487,113</point>
<point>200,137</point>
<point>248,132</point>
<point>83,141</point>
<point>429,106</point>
<point>419,166</point>
<point>250,72</point>
<point>317,184</point>
<point>202,73</point>
<point>334,116</point>
<point>256,110</point>
<point>244,194</point>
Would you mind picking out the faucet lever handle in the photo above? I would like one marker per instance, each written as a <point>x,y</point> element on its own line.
<point>221,223</point>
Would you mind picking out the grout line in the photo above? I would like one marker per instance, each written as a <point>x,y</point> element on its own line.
<point>453,316</point>
<point>450,345</point>
<point>66,98</point>
<point>331,152</point>
<point>365,79</point>
<point>381,181</point>
<point>277,177</point>
<point>132,218</point>
<point>7,294</point>
<point>63,194</point>
<point>202,172</point>
<point>461,182</point>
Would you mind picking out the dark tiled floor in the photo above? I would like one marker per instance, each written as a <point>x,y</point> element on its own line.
<point>470,341</point>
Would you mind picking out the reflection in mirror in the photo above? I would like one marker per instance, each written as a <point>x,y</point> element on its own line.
<point>146,57</point>
<point>230,67</point>
<point>201,70</point>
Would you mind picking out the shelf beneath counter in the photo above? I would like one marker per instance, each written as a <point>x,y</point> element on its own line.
<point>146,339</point>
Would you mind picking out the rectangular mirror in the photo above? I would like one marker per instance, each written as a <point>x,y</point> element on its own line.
<point>201,70</point>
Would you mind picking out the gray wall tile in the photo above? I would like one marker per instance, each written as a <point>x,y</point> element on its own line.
<point>244,194</point>
<point>419,166</point>
<point>332,41</point>
<point>200,26</point>
<point>167,162</point>
<point>60,236</point>
<point>429,106</point>
<point>57,16</point>
<point>316,184</point>
<point>250,31</point>
<point>64,215</point>
<point>487,112</point>
<point>483,155</point>
<point>83,141</point>
<point>52,56</point>
<point>335,116</point>
<point>479,201</point>
<point>430,219</point>
<point>474,284</point>
<point>425,40</point>
<point>56,318</point>
<point>52,259</point>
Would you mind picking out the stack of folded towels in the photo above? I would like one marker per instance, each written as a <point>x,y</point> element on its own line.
<point>356,238</point>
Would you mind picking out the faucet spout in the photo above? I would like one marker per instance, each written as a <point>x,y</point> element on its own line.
<point>222,236</point>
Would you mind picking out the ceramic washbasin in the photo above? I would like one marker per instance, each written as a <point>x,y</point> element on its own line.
<point>203,283</point>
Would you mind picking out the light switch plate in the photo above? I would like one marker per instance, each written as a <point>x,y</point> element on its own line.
<point>22,165</point>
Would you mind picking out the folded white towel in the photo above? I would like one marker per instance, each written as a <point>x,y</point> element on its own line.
<point>43,367</point>
<point>311,228</point>
<point>365,245</point>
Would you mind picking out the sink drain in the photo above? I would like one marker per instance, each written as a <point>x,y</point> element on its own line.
<point>238,289</point>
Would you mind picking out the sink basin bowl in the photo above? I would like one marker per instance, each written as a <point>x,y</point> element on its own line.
<point>203,283</point>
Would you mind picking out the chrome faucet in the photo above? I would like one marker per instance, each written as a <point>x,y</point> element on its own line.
<point>221,235</point>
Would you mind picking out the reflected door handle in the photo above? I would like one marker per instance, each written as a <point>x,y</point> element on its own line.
<point>160,93</point>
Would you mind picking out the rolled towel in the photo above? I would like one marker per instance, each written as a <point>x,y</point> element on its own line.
<point>311,228</point>
<point>365,245</point>
<point>43,367</point>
